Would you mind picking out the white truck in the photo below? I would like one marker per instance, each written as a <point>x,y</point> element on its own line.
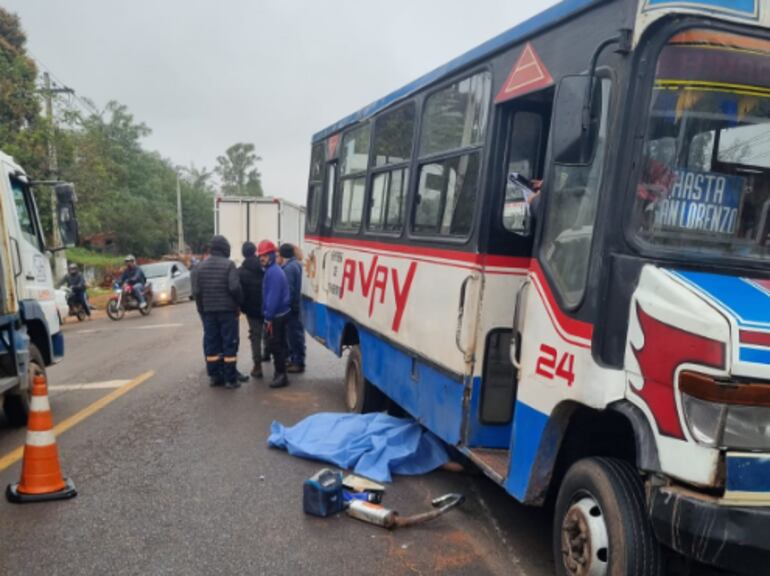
<point>240,219</point>
<point>30,331</point>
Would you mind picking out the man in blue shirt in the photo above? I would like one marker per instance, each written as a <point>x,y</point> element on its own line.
<point>296,331</point>
<point>276,307</point>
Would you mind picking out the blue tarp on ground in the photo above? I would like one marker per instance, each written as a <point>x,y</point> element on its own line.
<point>373,445</point>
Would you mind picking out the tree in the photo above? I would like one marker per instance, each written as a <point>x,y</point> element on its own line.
<point>197,207</point>
<point>22,129</point>
<point>238,172</point>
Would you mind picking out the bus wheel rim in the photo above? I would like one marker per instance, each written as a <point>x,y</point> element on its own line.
<point>584,539</point>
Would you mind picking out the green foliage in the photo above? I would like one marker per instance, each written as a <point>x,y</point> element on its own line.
<point>238,173</point>
<point>22,130</point>
<point>84,257</point>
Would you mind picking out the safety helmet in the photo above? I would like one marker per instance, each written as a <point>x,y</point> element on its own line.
<point>129,258</point>
<point>265,247</point>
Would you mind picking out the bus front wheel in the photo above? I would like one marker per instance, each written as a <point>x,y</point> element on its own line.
<point>600,525</point>
<point>361,396</point>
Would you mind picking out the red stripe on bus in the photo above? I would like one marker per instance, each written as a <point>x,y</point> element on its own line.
<point>755,338</point>
<point>443,253</point>
<point>573,327</point>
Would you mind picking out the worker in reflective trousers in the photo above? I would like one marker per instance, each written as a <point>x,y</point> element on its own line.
<point>218,295</point>
<point>276,306</point>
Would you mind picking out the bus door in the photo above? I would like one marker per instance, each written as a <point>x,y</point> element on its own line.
<point>521,142</point>
<point>553,320</point>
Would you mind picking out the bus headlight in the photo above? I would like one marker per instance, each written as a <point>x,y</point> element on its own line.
<point>726,414</point>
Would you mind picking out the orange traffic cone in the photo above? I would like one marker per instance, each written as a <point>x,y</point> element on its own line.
<point>41,477</point>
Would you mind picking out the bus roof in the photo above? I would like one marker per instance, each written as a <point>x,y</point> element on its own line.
<point>549,17</point>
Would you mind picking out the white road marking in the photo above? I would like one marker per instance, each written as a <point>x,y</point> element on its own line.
<point>106,385</point>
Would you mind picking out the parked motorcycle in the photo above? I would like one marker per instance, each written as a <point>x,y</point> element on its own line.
<point>76,307</point>
<point>124,299</point>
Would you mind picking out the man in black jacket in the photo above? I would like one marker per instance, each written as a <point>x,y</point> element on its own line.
<point>251,274</point>
<point>217,292</point>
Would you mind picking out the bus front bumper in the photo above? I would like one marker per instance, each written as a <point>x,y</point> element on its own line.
<point>712,532</point>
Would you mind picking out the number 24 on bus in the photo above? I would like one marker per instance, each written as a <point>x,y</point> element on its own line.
<point>602,342</point>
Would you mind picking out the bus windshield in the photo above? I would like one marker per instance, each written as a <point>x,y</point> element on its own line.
<point>705,179</point>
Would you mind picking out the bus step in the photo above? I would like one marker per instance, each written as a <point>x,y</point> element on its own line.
<point>493,462</point>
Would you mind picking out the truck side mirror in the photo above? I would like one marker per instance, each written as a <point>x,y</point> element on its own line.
<point>65,214</point>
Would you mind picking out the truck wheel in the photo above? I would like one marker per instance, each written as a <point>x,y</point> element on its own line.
<point>16,404</point>
<point>600,525</point>
<point>361,396</point>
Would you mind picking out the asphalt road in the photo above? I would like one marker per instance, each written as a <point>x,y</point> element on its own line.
<point>176,478</point>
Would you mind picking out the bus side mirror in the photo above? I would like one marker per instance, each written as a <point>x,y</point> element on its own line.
<point>65,215</point>
<point>574,130</point>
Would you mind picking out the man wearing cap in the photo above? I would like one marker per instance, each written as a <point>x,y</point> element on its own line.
<point>251,275</point>
<point>217,292</point>
<point>296,331</point>
<point>276,306</point>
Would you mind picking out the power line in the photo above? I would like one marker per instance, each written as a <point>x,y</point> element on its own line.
<point>86,105</point>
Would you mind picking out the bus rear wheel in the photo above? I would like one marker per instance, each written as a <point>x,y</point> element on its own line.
<point>600,525</point>
<point>361,396</point>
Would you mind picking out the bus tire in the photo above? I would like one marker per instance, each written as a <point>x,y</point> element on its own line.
<point>361,396</point>
<point>600,524</point>
<point>16,405</point>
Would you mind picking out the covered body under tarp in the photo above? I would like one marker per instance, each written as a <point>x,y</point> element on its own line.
<point>374,445</point>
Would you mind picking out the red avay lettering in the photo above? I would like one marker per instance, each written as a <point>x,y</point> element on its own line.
<point>348,277</point>
<point>402,294</point>
<point>374,285</point>
<point>366,280</point>
<point>381,284</point>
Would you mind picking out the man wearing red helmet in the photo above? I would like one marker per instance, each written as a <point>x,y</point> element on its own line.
<point>276,305</point>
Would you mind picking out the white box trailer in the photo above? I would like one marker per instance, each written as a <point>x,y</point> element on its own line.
<point>241,218</point>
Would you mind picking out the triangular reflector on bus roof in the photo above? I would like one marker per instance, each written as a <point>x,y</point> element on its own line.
<point>527,75</point>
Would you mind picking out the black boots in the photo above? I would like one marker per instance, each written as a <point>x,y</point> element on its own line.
<point>279,381</point>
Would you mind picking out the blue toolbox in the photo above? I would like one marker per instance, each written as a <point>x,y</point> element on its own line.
<point>322,493</point>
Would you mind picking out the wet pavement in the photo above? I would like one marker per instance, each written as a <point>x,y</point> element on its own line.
<point>176,478</point>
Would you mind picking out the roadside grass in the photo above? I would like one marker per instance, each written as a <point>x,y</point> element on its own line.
<point>98,297</point>
<point>85,257</point>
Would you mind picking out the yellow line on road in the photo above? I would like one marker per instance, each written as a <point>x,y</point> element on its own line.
<point>15,455</point>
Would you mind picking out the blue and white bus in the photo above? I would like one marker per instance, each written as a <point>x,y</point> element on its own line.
<point>602,343</point>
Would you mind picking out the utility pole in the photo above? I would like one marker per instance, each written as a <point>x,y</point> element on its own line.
<point>180,228</point>
<point>59,259</point>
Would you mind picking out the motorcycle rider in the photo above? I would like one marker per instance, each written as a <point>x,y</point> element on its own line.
<point>77,284</point>
<point>134,276</point>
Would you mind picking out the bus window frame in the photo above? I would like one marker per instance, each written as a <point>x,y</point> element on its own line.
<point>614,118</point>
<point>340,179</point>
<point>482,149</point>
<point>408,164</point>
<point>643,73</point>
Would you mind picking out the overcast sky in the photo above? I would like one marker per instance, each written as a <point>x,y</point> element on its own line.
<point>204,75</point>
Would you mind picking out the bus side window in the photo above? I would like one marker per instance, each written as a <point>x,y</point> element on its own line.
<point>454,124</point>
<point>331,187</point>
<point>313,207</point>
<point>354,162</point>
<point>525,144</point>
<point>571,209</point>
<point>314,188</point>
